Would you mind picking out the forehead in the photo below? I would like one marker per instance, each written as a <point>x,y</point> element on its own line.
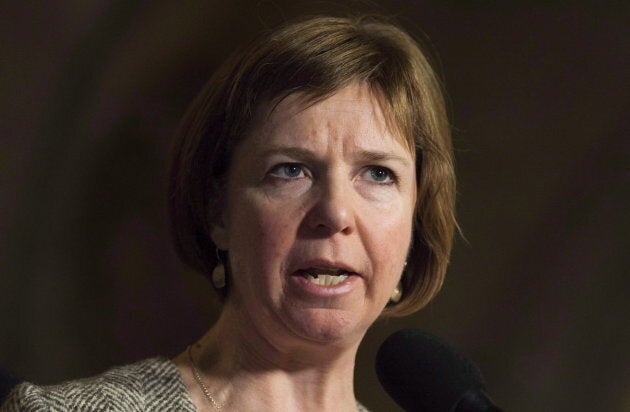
<point>356,110</point>
<point>355,101</point>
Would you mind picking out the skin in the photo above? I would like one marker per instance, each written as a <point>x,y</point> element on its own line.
<point>315,187</point>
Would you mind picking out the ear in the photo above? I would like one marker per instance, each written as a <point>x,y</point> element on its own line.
<point>219,236</point>
<point>216,221</point>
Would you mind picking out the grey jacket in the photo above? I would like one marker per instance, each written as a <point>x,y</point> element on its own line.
<point>149,385</point>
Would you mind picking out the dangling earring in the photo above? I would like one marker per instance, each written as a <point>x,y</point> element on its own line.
<point>218,273</point>
<point>396,294</point>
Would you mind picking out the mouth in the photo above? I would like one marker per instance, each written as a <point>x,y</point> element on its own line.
<point>325,276</point>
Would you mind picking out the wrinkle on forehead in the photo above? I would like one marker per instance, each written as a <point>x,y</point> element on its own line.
<point>270,116</point>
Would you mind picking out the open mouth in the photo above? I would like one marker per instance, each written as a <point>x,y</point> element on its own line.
<point>325,276</point>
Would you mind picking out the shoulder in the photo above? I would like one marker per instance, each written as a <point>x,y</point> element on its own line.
<point>152,384</point>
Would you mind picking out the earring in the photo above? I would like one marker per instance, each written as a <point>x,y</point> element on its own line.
<point>218,273</point>
<point>396,294</point>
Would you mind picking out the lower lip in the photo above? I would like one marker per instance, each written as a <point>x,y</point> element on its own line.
<point>312,289</point>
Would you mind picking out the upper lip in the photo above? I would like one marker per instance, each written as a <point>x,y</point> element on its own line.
<point>326,265</point>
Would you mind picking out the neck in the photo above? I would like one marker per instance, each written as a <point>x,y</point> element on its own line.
<point>247,371</point>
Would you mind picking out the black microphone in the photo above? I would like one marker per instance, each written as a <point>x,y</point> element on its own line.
<point>424,374</point>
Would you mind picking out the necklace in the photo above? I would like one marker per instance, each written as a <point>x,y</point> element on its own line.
<point>203,386</point>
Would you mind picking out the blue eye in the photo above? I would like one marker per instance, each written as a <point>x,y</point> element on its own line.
<point>288,171</point>
<point>380,174</point>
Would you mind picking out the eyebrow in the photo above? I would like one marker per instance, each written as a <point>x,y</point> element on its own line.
<point>380,156</point>
<point>362,155</point>
<point>296,152</point>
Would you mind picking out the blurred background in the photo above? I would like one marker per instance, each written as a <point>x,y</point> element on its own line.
<point>537,293</point>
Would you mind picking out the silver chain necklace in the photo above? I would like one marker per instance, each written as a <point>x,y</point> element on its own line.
<point>203,386</point>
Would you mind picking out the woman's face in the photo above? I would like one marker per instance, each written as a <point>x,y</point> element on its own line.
<point>318,218</point>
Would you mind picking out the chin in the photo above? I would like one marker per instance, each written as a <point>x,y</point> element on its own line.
<point>330,326</point>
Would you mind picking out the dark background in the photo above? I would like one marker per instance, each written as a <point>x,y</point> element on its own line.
<point>536,294</point>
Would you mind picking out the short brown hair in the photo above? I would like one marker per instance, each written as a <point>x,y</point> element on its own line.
<point>319,56</point>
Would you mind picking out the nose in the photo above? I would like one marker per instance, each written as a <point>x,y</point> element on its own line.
<point>333,209</point>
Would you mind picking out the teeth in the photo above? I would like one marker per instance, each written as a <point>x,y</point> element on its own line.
<point>324,279</point>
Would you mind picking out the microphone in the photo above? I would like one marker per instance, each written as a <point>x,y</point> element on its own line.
<point>424,374</point>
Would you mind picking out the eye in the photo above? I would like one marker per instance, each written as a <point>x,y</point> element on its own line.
<point>380,174</point>
<point>288,171</point>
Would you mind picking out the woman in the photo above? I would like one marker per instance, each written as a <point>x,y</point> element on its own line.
<point>312,182</point>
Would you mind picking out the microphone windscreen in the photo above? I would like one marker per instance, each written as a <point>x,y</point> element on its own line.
<point>422,373</point>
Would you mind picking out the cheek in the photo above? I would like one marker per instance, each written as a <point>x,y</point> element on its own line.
<point>261,233</point>
<point>392,224</point>
<point>388,241</point>
<point>395,244</point>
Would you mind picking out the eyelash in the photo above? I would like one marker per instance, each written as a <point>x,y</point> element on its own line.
<point>391,176</point>
<point>277,170</point>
